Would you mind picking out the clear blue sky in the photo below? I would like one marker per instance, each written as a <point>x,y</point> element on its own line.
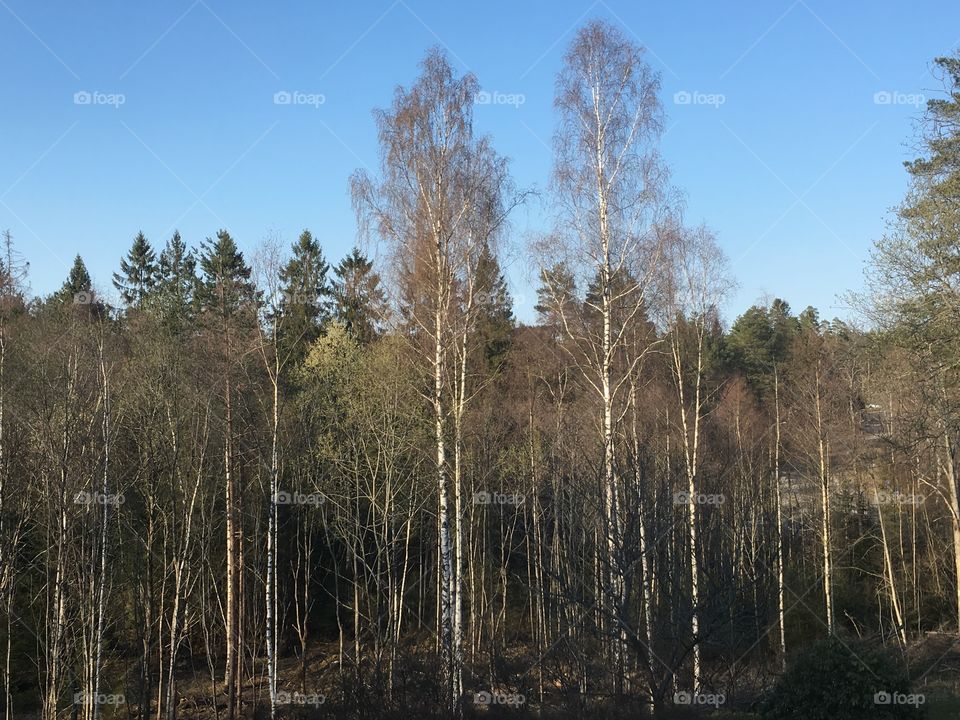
<point>795,170</point>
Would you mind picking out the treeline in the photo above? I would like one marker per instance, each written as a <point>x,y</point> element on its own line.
<point>253,484</point>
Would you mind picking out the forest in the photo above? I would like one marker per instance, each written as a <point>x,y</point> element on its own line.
<point>283,485</point>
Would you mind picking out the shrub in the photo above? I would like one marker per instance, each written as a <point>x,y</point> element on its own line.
<point>838,680</point>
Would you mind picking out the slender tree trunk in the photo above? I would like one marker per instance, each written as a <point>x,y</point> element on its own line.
<point>102,580</point>
<point>781,606</point>
<point>271,599</point>
<point>890,577</point>
<point>953,484</point>
<point>690,426</point>
<point>232,592</point>
<point>824,504</point>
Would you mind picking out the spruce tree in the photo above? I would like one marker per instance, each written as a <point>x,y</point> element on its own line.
<point>77,292</point>
<point>305,301</point>
<point>358,299</point>
<point>495,311</point>
<point>138,272</point>
<point>176,281</point>
<point>226,290</point>
<point>77,288</point>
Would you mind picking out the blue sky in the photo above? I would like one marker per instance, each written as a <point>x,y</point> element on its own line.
<point>785,147</point>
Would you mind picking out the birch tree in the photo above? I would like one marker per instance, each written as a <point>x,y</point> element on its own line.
<point>699,281</point>
<point>437,205</point>
<point>609,184</point>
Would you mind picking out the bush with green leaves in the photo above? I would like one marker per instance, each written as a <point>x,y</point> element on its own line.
<point>838,680</point>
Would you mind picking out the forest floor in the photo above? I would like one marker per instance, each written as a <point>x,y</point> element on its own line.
<point>934,665</point>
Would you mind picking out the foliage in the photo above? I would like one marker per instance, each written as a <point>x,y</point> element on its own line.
<point>841,680</point>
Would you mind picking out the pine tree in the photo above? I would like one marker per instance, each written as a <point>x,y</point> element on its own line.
<point>359,301</point>
<point>138,272</point>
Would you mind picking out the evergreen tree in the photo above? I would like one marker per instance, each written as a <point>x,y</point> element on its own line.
<point>759,341</point>
<point>77,291</point>
<point>78,287</point>
<point>359,302</point>
<point>495,321</point>
<point>916,268</point>
<point>138,272</point>
<point>305,301</point>
<point>176,281</point>
<point>809,319</point>
<point>226,290</point>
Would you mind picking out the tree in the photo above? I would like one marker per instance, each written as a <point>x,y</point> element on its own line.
<point>304,292</point>
<point>699,280</point>
<point>441,198</point>
<point>914,288</point>
<point>78,287</point>
<point>495,321</point>
<point>227,298</point>
<point>138,272</point>
<point>359,301</point>
<point>609,184</point>
<point>176,283</point>
<point>759,341</point>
